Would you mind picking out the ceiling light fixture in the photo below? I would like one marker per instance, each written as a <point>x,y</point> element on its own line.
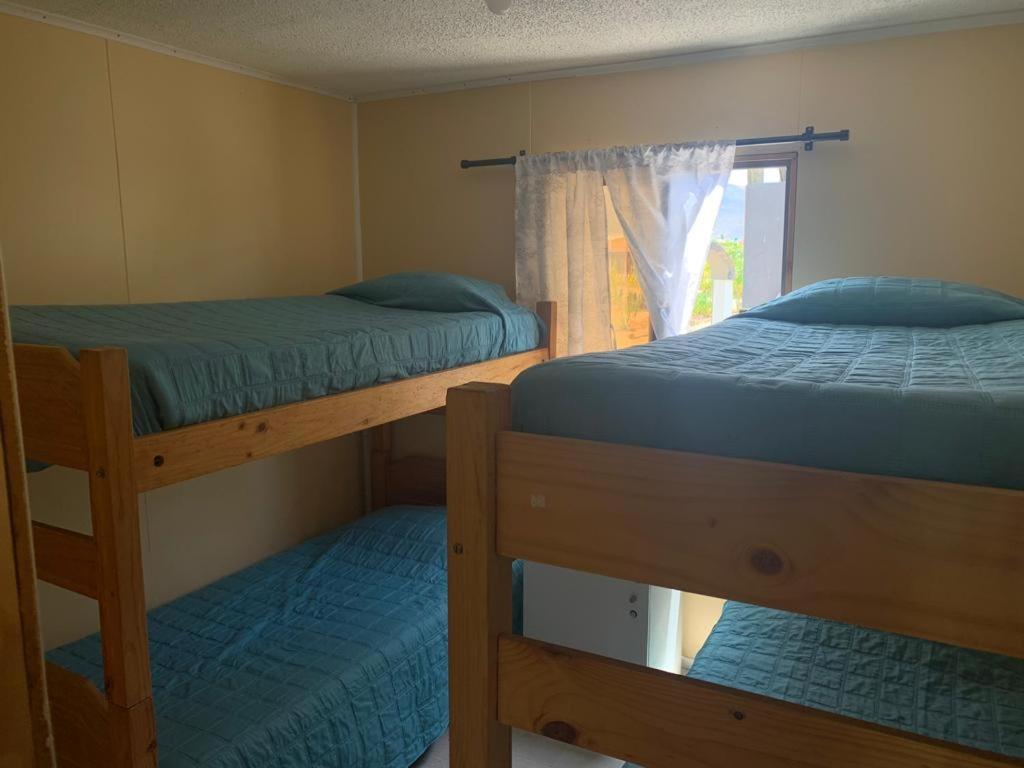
<point>498,6</point>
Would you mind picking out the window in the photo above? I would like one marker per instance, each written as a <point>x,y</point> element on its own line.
<point>630,319</point>
<point>751,256</point>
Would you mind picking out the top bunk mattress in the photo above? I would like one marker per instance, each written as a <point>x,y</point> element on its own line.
<point>896,377</point>
<point>192,362</point>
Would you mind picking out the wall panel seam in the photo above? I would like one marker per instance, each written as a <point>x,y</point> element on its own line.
<point>357,215</point>
<point>117,174</point>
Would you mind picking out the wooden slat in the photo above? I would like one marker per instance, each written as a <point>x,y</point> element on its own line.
<point>81,724</point>
<point>50,395</point>
<point>661,720</point>
<point>416,480</point>
<point>935,560</point>
<point>66,558</point>
<point>115,524</point>
<point>479,581</point>
<point>176,455</point>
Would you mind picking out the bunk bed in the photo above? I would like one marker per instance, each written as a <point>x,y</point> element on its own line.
<point>851,452</point>
<point>144,396</point>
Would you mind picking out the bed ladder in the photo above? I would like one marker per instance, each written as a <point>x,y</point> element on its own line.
<point>90,728</point>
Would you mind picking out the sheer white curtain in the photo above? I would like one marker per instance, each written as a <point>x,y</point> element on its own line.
<point>667,199</point>
<point>562,246</point>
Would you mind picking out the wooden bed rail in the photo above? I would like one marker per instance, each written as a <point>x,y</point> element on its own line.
<point>661,720</point>
<point>935,560</point>
<point>165,458</point>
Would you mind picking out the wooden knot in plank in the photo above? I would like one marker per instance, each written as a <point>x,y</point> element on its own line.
<point>767,561</point>
<point>560,731</point>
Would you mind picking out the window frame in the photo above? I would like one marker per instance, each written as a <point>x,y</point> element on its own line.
<point>787,160</point>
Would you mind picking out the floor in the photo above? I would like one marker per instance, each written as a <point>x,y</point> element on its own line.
<point>528,751</point>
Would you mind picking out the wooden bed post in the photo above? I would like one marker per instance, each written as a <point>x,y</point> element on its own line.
<point>380,460</point>
<point>548,311</point>
<point>106,396</point>
<point>479,580</point>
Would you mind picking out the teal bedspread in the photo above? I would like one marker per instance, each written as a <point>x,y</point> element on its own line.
<point>948,693</point>
<point>192,362</point>
<point>333,654</point>
<point>824,387</point>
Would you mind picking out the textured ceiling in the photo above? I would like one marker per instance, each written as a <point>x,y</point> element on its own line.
<point>360,47</point>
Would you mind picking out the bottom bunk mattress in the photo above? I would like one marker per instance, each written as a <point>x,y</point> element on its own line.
<point>948,693</point>
<point>333,654</point>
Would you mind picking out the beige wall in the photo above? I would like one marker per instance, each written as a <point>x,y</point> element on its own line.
<point>129,175</point>
<point>419,210</point>
<point>60,217</point>
<point>232,186</point>
<point>930,184</point>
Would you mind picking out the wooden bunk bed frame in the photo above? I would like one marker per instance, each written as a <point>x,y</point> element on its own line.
<point>77,414</point>
<point>930,559</point>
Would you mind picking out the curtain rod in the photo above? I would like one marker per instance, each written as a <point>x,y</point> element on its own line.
<point>808,138</point>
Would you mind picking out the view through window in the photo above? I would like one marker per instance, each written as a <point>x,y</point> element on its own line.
<point>748,262</point>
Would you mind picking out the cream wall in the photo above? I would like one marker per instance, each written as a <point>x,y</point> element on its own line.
<point>929,185</point>
<point>126,175</point>
<point>419,210</point>
<point>232,186</point>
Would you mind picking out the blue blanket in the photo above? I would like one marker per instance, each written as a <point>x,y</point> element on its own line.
<point>333,654</point>
<point>948,693</point>
<point>808,380</point>
<point>192,362</point>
